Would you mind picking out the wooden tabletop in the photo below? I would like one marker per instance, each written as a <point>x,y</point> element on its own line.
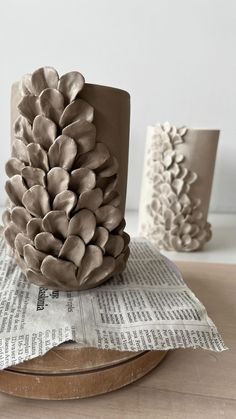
<point>189,384</point>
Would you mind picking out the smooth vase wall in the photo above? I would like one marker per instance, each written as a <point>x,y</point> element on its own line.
<point>177,182</point>
<point>67,180</point>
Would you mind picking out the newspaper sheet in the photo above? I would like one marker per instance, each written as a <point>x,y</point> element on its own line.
<point>148,307</point>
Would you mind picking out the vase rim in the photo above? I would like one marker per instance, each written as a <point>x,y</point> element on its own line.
<point>108,87</point>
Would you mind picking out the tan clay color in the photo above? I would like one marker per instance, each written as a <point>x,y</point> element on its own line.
<point>67,180</point>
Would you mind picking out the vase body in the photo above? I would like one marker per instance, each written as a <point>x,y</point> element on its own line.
<point>67,180</point>
<point>177,182</point>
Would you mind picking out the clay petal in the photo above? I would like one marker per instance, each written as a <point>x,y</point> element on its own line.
<point>178,185</point>
<point>36,200</point>
<point>65,201</point>
<point>20,217</point>
<point>102,273</point>
<point>192,177</point>
<point>10,234</point>
<point>14,166</point>
<point>34,227</point>
<point>111,185</point>
<point>62,152</point>
<point>100,237</point>
<point>126,239</point>
<point>6,217</point>
<point>42,78</point>
<point>33,176</point>
<point>23,130</point>
<point>83,224</point>
<point>77,110</point>
<point>47,243</point>
<point>90,199</point>
<point>70,84</point>
<point>25,85</point>
<point>36,278</point>
<point>20,241</point>
<point>110,168</point>
<point>15,189</point>
<point>44,131</point>
<point>82,180</point>
<point>114,245</point>
<point>179,158</point>
<point>29,107</point>
<point>120,228</point>
<point>51,104</point>
<point>19,150</point>
<point>92,259</point>
<point>37,156</point>
<point>182,131</point>
<point>113,198</point>
<point>56,222</point>
<point>60,272</point>
<point>57,181</point>
<point>73,250</point>
<point>84,134</point>
<point>95,158</point>
<point>109,216</point>
<point>33,257</point>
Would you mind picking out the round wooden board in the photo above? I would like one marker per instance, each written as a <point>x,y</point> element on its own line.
<point>70,372</point>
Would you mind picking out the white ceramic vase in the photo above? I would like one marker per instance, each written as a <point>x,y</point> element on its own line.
<point>177,181</point>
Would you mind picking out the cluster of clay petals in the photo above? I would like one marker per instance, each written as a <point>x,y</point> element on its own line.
<point>64,222</point>
<point>174,220</point>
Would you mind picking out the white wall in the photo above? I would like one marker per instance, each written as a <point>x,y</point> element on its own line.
<point>177,58</point>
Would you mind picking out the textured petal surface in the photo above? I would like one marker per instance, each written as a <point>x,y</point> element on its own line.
<point>14,166</point>
<point>47,243</point>
<point>84,134</point>
<point>114,245</point>
<point>73,249</point>
<point>37,156</point>
<point>21,240</point>
<point>70,84</point>
<point>51,104</point>
<point>19,150</point>
<point>100,237</point>
<point>60,272</point>
<point>102,273</point>
<point>15,189</point>
<point>20,216</point>
<point>23,130</point>
<point>56,222</point>
<point>29,107</point>
<point>33,176</point>
<point>34,227</point>
<point>42,78</point>
<point>82,180</point>
<point>90,199</point>
<point>10,233</point>
<point>62,153</point>
<point>65,201</point>
<point>57,181</point>
<point>95,158</point>
<point>33,257</point>
<point>36,201</point>
<point>109,216</point>
<point>76,111</point>
<point>92,259</point>
<point>83,224</point>
<point>44,131</point>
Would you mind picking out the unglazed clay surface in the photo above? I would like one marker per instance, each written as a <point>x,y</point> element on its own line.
<point>64,222</point>
<point>173,215</point>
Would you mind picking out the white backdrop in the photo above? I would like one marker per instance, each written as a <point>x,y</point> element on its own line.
<point>177,58</point>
